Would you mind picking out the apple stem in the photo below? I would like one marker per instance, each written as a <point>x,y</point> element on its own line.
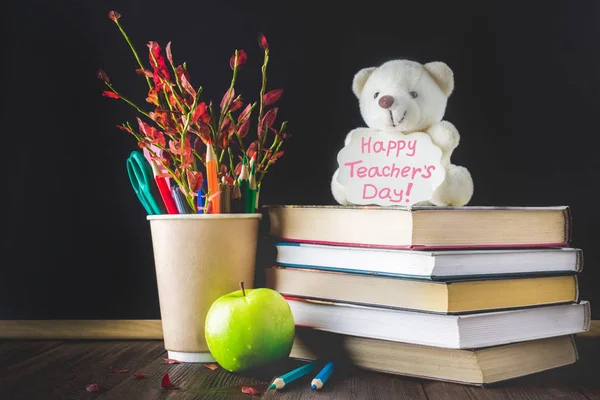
<point>242,286</point>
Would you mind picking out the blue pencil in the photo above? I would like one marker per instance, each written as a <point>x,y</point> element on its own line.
<point>322,376</point>
<point>291,376</point>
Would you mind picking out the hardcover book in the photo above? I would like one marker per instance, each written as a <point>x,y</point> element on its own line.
<point>422,227</point>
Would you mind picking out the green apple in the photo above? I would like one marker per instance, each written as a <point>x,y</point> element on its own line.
<point>249,328</point>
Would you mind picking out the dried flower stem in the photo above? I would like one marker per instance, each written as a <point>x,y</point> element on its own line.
<point>132,49</point>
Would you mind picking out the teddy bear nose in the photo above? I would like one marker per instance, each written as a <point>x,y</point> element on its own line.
<point>386,101</point>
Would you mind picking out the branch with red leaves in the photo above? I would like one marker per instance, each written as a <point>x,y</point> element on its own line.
<point>181,126</point>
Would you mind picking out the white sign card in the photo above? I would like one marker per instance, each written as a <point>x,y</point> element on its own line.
<point>389,168</point>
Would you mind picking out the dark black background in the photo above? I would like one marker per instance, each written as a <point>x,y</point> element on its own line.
<point>76,243</point>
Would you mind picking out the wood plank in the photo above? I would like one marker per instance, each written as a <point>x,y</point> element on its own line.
<point>194,380</point>
<point>16,351</point>
<point>362,385</point>
<point>81,329</point>
<point>63,372</point>
<point>114,329</point>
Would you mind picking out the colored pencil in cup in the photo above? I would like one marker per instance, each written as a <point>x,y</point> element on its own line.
<point>291,376</point>
<point>243,181</point>
<point>163,188</point>
<point>322,376</point>
<point>236,198</point>
<point>212,178</point>
<point>252,186</point>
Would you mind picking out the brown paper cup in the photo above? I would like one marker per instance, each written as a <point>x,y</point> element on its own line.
<point>198,258</point>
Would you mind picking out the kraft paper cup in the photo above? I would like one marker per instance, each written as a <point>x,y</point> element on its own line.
<point>198,258</point>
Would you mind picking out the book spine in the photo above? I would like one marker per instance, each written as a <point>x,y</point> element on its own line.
<point>579,260</point>
<point>587,320</point>
<point>568,225</point>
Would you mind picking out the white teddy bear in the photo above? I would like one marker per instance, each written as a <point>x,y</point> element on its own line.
<point>405,96</point>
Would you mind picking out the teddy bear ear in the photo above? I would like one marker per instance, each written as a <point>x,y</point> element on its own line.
<point>443,76</point>
<point>360,79</point>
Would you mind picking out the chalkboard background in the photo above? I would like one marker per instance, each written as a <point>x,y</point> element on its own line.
<point>76,243</point>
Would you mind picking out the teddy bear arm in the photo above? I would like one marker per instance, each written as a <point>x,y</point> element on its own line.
<point>444,135</point>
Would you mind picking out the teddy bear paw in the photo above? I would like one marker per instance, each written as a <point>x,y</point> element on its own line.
<point>444,135</point>
<point>456,189</point>
<point>338,191</point>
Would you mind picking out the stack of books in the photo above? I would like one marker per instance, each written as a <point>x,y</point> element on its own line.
<point>475,295</point>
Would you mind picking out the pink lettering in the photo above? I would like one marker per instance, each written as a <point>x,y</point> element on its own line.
<point>351,165</point>
<point>365,191</point>
<point>395,171</point>
<point>401,145</point>
<point>398,196</point>
<point>386,174</point>
<point>361,172</point>
<point>373,172</point>
<point>428,169</point>
<point>391,146</point>
<point>413,148</point>
<point>367,145</point>
<point>405,171</point>
<point>415,170</point>
<point>378,146</point>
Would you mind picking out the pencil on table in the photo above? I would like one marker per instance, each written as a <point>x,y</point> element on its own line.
<point>291,376</point>
<point>322,376</point>
<point>212,178</point>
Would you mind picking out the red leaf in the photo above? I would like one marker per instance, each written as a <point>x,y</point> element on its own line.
<point>145,72</point>
<point>140,376</point>
<point>227,128</point>
<point>246,113</point>
<point>166,383</point>
<point>237,62</point>
<point>158,63</point>
<point>194,179</point>
<point>251,391</point>
<point>171,361</point>
<point>204,133</point>
<point>262,42</point>
<point>272,96</point>
<point>212,367</point>
<point>153,97</point>
<point>114,15</point>
<point>112,95</point>
<point>120,371</point>
<point>187,86</point>
<point>237,104</point>
<point>154,135</point>
<point>243,130</point>
<point>94,387</point>
<point>227,98</point>
<point>238,169</point>
<point>102,76</point>
<point>269,117</point>
<point>169,54</point>
<point>251,150</point>
<point>198,112</point>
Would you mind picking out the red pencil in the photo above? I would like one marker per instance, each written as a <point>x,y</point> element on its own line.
<point>163,188</point>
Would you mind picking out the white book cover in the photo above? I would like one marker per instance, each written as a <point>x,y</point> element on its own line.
<point>448,331</point>
<point>434,265</point>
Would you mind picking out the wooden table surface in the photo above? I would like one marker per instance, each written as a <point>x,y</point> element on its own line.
<point>52,369</point>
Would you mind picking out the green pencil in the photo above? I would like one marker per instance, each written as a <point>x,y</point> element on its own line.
<point>252,186</point>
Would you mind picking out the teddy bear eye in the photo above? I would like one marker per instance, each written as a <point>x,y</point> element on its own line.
<point>376,94</point>
<point>413,94</point>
